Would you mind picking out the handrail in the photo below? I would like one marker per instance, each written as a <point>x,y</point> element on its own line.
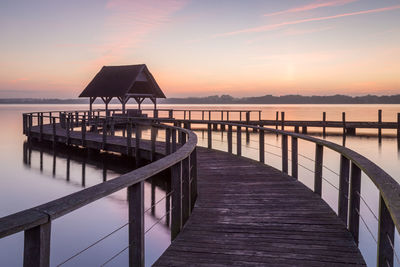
<point>181,160</point>
<point>349,188</point>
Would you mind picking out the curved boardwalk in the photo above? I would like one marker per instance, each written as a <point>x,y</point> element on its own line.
<point>248,213</point>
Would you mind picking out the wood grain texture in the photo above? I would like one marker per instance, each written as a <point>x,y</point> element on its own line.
<point>249,214</point>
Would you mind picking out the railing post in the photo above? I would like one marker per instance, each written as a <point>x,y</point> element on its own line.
<point>176,184</point>
<point>344,122</point>
<point>230,139</point>
<point>343,188</point>
<point>385,236</point>
<point>129,138</point>
<point>380,124</point>
<point>277,120</point>
<point>40,119</point>
<point>112,125</point>
<point>24,123</point>
<point>137,142</point>
<point>68,130</point>
<point>324,123</point>
<point>153,142</point>
<point>193,180</point>
<point>183,137</point>
<point>398,128</point>
<point>185,190</point>
<point>202,115</point>
<point>262,146</point>
<point>173,140</point>
<point>355,189</point>
<point>238,140</point>
<point>283,120</point>
<point>295,163</point>
<point>29,126</point>
<point>54,131</point>
<point>83,130</point>
<point>167,141</point>
<point>37,246</point>
<point>209,135</point>
<point>285,158</point>
<point>104,144</point>
<point>319,150</point>
<point>136,224</point>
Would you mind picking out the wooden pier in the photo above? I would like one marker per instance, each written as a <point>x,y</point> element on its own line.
<point>250,214</point>
<point>225,209</point>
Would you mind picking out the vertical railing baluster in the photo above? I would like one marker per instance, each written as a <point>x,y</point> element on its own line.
<point>68,130</point>
<point>137,143</point>
<point>343,201</point>
<point>193,183</point>
<point>209,135</point>
<point>176,184</point>
<point>104,144</point>
<point>83,130</point>
<point>183,137</point>
<point>129,138</point>
<point>230,139</point>
<point>385,236</point>
<point>40,119</point>
<point>262,146</point>
<point>54,131</point>
<point>185,190</point>
<point>173,134</point>
<point>37,246</point>
<point>319,152</point>
<point>136,224</point>
<point>354,198</point>
<point>167,141</point>
<point>238,140</point>
<point>285,158</point>
<point>295,158</point>
<point>153,142</point>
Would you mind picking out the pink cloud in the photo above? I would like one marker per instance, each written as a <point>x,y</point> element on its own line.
<point>129,24</point>
<point>315,5</point>
<point>278,25</point>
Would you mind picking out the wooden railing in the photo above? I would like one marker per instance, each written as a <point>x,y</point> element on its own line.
<point>352,164</point>
<point>180,159</point>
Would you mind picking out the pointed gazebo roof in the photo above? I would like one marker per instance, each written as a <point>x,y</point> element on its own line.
<point>118,81</point>
<point>123,82</point>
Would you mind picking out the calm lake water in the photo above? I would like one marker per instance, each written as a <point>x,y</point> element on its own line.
<point>24,185</point>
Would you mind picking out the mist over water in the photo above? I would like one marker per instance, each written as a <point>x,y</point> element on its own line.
<point>24,185</point>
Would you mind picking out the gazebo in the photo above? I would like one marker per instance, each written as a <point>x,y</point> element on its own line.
<point>123,82</point>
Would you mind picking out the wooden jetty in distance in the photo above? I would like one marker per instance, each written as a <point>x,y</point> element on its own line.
<point>254,117</point>
<point>225,209</point>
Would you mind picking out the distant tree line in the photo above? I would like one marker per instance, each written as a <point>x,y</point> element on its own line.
<point>286,99</point>
<point>227,99</point>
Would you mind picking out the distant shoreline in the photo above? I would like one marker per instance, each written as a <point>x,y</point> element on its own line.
<point>227,99</point>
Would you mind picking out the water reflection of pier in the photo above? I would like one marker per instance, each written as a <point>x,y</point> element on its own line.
<point>103,161</point>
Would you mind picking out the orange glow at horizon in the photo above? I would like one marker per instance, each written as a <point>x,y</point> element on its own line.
<point>200,48</point>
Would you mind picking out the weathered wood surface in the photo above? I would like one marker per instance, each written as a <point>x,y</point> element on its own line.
<point>250,214</point>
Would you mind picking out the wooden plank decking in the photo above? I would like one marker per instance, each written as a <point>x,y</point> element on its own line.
<point>248,213</point>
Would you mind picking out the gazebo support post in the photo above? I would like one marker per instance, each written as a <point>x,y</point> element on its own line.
<point>154,100</point>
<point>91,100</point>
<point>107,100</point>
<point>139,100</point>
<point>123,101</point>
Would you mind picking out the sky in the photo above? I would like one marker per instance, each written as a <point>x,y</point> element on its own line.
<point>53,48</point>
